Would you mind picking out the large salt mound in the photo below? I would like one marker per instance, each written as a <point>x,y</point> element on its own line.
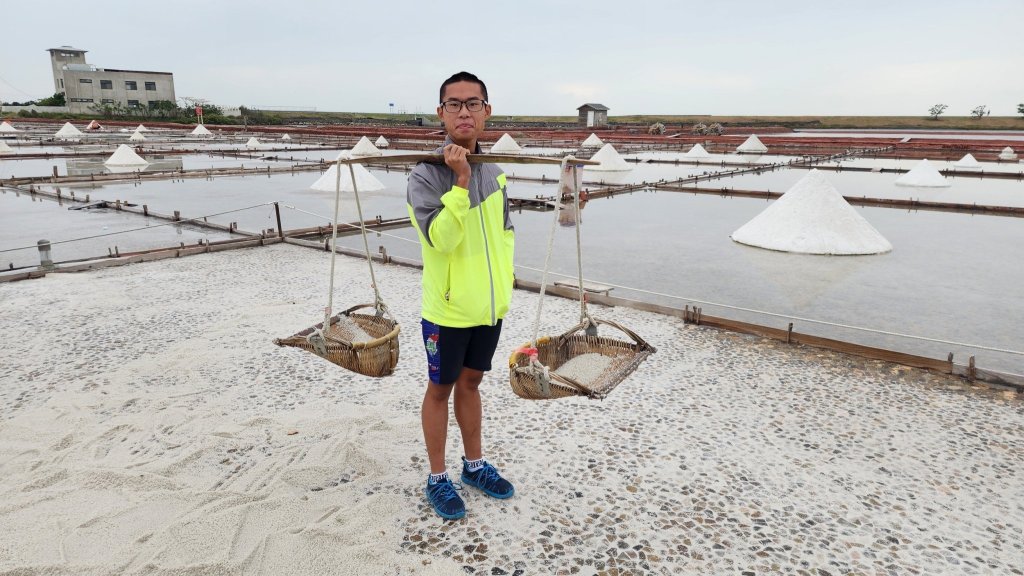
<point>968,162</point>
<point>812,218</point>
<point>752,145</point>
<point>6,127</point>
<point>67,131</point>
<point>697,151</point>
<point>364,148</point>
<point>252,143</point>
<point>366,181</point>
<point>381,142</point>
<point>4,148</point>
<point>136,137</point>
<point>593,141</point>
<point>1007,154</point>
<point>125,156</point>
<point>925,175</point>
<point>141,128</point>
<point>201,131</point>
<point>610,160</point>
<point>506,145</point>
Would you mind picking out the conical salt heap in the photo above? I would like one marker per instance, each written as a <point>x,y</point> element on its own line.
<point>506,145</point>
<point>252,143</point>
<point>925,175</point>
<point>141,128</point>
<point>812,218</point>
<point>752,145</point>
<point>286,137</point>
<point>201,131</point>
<point>1007,154</point>
<point>592,141</point>
<point>366,181</point>
<point>67,131</point>
<point>364,148</point>
<point>697,151</point>
<point>125,156</point>
<point>6,127</point>
<point>4,148</point>
<point>382,142</point>
<point>136,137</point>
<point>967,163</point>
<point>610,160</point>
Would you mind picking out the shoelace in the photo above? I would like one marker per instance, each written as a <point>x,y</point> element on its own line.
<point>489,475</point>
<point>447,490</point>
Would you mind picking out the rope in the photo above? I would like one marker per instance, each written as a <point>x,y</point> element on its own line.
<point>584,315</point>
<point>547,261</point>
<point>197,218</point>
<point>334,239</point>
<point>728,306</point>
<point>378,304</point>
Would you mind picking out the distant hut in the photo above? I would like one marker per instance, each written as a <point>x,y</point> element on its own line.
<point>593,115</point>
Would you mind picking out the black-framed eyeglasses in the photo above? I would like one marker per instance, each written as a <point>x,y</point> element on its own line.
<point>455,106</point>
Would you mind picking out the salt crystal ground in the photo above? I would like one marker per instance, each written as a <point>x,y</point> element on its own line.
<point>150,426</point>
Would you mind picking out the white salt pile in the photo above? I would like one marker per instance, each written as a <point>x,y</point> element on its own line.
<point>925,175</point>
<point>141,128</point>
<point>67,131</point>
<point>136,137</point>
<point>252,143</point>
<point>697,151</point>
<point>506,145</point>
<point>366,181</point>
<point>286,137</point>
<point>1007,154</point>
<point>610,160</point>
<point>347,329</point>
<point>201,131</point>
<point>125,156</point>
<point>6,127</point>
<point>4,148</point>
<point>585,368</point>
<point>364,148</point>
<point>812,218</point>
<point>752,145</point>
<point>593,141</point>
<point>382,142</point>
<point>968,162</point>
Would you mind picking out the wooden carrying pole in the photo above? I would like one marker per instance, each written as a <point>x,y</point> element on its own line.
<point>472,158</point>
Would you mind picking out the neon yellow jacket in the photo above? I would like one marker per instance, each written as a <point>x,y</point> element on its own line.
<point>467,241</point>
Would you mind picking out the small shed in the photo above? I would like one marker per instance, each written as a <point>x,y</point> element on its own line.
<point>593,115</point>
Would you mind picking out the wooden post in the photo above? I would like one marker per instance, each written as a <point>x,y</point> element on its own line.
<point>177,215</point>
<point>54,172</point>
<point>789,334</point>
<point>145,209</point>
<point>277,213</point>
<point>972,371</point>
<point>117,204</point>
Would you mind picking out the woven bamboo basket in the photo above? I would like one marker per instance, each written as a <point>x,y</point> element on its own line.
<point>376,357</point>
<point>621,357</point>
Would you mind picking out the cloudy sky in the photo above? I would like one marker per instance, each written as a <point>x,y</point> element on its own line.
<point>893,57</point>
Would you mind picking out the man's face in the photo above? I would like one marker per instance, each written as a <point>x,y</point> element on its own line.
<point>464,126</point>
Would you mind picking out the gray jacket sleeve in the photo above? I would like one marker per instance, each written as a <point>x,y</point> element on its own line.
<point>424,196</point>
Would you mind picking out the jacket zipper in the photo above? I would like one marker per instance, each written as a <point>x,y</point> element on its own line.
<point>487,253</point>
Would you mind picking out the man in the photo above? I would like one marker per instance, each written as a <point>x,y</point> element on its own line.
<point>461,213</point>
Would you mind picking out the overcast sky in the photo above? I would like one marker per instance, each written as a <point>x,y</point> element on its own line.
<point>868,57</point>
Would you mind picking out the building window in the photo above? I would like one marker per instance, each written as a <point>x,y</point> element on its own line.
<point>151,86</point>
<point>133,104</point>
<point>85,80</point>
<point>107,101</point>
<point>81,100</point>
<point>131,85</point>
<point>61,82</point>
<point>106,84</point>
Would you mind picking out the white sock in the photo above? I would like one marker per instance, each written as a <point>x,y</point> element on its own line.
<point>442,477</point>
<point>474,465</point>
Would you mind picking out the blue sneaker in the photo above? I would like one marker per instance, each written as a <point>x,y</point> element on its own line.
<point>488,480</point>
<point>445,500</point>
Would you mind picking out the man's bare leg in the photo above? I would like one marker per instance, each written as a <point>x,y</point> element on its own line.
<point>469,411</point>
<point>434,417</point>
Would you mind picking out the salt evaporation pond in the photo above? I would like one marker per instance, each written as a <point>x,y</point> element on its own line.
<point>34,218</point>
<point>934,283</point>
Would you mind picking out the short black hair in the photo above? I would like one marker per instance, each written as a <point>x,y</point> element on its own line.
<point>462,77</point>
